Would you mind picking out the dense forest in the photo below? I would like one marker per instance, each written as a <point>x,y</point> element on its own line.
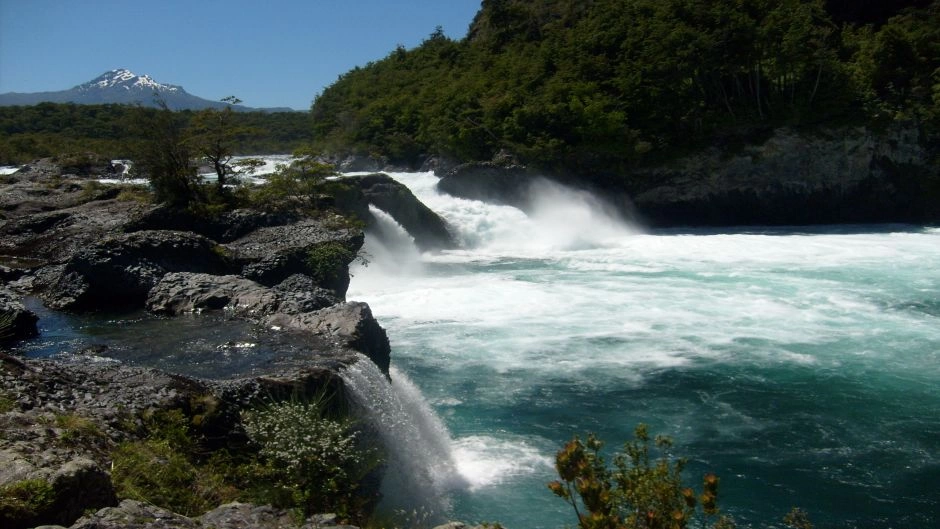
<point>601,86</point>
<point>587,87</point>
<point>113,131</point>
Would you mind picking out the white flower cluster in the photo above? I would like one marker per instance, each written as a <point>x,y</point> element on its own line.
<point>295,434</point>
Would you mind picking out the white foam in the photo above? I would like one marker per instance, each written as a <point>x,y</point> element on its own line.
<point>486,461</point>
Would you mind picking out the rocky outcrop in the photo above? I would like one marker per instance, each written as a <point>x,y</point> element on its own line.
<point>225,227</point>
<point>16,322</point>
<point>847,175</point>
<point>828,176</point>
<point>271,255</point>
<point>489,181</point>
<point>347,325</point>
<point>119,271</point>
<point>131,514</point>
<point>182,292</point>
<point>61,419</point>
<point>429,230</point>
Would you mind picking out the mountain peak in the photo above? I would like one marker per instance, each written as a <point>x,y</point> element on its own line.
<point>128,80</point>
<point>122,86</point>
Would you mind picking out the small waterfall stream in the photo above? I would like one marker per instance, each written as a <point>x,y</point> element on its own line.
<point>420,466</point>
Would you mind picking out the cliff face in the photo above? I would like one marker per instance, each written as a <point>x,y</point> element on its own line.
<point>830,176</point>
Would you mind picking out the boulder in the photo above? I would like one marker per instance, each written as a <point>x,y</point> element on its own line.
<point>182,292</point>
<point>119,271</point>
<point>346,324</point>
<point>225,227</point>
<point>489,181</point>
<point>429,230</point>
<point>319,248</point>
<point>59,488</point>
<point>16,322</point>
<point>132,514</point>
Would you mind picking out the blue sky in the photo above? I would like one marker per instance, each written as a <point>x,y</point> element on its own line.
<point>268,52</point>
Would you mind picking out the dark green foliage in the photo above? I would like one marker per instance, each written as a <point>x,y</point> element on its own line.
<point>50,129</point>
<point>164,156</point>
<point>295,186</point>
<point>600,86</point>
<point>308,460</point>
<point>290,454</point>
<point>326,262</point>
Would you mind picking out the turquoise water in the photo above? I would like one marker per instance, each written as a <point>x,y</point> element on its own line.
<point>802,366</point>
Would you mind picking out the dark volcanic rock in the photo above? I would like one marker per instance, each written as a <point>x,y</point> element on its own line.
<point>22,322</point>
<point>182,292</point>
<point>834,176</point>
<point>132,514</point>
<point>226,227</point>
<point>428,228</point>
<point>271,255</point>
<point>489,181</point>
<point>347,324</point>
<point>119,271</point>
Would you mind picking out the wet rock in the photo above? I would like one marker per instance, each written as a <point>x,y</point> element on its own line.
<point>16,322</point>
<point>382,191</point>
<point>348,324</point>
<point>489,181</point>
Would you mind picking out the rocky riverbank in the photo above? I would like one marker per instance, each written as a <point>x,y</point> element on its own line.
<point>81,247</point>
<point>788,177</point>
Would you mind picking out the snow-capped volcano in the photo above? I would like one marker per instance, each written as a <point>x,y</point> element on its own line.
<point>127,80</point>
<point>123,86</point>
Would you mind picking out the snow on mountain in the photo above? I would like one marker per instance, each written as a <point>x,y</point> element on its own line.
<point>123,86</point>
<point>127,80</point>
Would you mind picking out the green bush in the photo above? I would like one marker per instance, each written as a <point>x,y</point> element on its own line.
<point>326,262</point>
<point>637,492</point>
<point>317,461</point>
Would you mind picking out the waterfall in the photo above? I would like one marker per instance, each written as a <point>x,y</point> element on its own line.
<point>420,466</point>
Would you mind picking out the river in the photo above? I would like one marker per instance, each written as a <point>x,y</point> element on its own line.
<point>800,365</point>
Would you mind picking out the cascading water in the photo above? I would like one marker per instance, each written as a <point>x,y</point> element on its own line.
<point>420,469</point>
<point>802,366</point>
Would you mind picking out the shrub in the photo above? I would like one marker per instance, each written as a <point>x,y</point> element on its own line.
<point>636,492</point>
<point>317,459</point>
<point>328,261</point>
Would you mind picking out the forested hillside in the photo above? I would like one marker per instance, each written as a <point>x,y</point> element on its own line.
<point>601,86</point>
<point>52,129</point>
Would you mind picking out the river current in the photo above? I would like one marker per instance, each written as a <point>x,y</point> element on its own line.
<point>800,365</point>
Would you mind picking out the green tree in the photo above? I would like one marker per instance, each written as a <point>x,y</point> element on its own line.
<point>164,155</point>
<point>213,135</point>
